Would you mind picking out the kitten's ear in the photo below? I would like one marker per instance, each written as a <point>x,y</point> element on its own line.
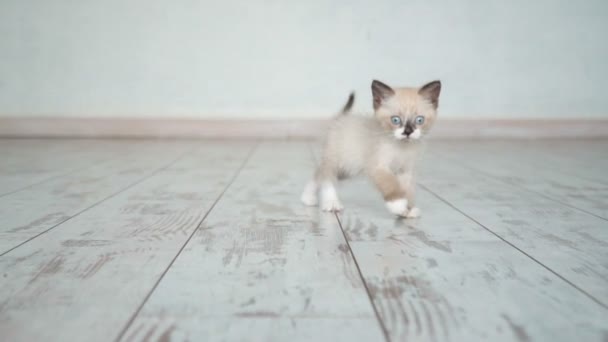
<point>430,91</point>
<point>380,92</point>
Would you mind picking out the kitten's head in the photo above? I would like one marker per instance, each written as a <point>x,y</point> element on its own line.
<point>407,113</point>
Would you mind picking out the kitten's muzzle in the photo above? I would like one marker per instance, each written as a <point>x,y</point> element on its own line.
<point>408,129</point>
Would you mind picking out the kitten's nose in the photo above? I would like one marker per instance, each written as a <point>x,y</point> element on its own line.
<point>408,130</point>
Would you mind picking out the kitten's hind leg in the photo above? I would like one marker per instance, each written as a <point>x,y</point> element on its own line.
<point>327,180</point>
<point>309,195</point>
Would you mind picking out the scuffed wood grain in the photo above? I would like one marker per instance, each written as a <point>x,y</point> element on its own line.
<point>264,265</point>
<point>587,159</point>
<point>84,280</point>
<point>563,180</point>
<point>444,278</point>
<point>27,163</point>
<point>24,163</point>
<point>568,241</point>
<point>253,329</point>
<point>27,213</point>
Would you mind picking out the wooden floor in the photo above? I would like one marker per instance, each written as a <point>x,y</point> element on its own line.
<point>207,241</point>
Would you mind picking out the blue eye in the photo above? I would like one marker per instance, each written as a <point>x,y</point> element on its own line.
<point>396,120</point>
<point>419,120</point>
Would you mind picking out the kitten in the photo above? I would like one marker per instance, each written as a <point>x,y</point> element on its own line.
<point>383,147</point>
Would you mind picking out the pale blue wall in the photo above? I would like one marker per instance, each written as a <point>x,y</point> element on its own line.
<point>281,59</point>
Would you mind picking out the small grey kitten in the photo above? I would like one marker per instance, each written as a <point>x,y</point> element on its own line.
<point>384,147</point>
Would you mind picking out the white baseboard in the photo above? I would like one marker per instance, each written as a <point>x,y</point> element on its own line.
<point>186,128</point>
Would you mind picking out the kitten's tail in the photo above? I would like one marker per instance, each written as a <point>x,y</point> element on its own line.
<point>349,104</point>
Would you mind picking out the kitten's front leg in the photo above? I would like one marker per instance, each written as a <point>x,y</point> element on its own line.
<point>392,190</point>
<point>329,197</point>
<point>406,180</point>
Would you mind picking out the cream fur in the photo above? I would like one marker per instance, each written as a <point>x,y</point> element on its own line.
<point>378,148</point>
<point>397,207</point>
<point>413,213</point>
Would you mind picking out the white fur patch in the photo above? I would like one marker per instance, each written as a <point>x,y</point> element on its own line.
<point>398,133</point>
<point>309,195</point>
<point>413,213</point>
<point>329,198</point>
<point>415,134</point>
<point>397,207</point>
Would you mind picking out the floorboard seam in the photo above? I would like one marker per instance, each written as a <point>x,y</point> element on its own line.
<point>352,254</point>
<point>98,202</point>
<point>369,294</point>
<point>597,301</point>
<point>72,171</point>
<point>521,187</point>
<point>196,229</point>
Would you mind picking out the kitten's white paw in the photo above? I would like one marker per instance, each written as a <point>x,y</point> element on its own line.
<point>413,213</point>
<point>309,195</point>
<point>397,207</point>
<point>332,205</point>
<point>329,198</point>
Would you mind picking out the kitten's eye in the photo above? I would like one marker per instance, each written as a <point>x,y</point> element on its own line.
<point>396,120</point>
<point>419,120</point>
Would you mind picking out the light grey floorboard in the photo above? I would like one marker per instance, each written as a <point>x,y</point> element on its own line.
<point>26,214</point>
<point>263,267</point>
<point>83,281</point>
<point>25,163</point>
<point>575,159</point>
<point>209,248</point>
<point>572,243</point>
<point>444,278</point>
<point>504,163</point>
<point>254,329</point>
